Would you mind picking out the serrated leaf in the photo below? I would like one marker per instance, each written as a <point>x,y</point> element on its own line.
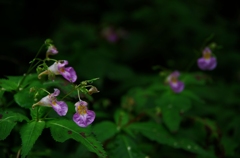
<point>8,120</point>
<point>121,118</point>
<point>123,146</point>
<point>29,134</point>
<point>62,130</point>
<point>101,132</point>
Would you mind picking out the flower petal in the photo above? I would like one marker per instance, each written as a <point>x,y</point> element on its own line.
<point>175,74</point>
<point>213,63</point>
<point>84,120</point>
<point>56,92</point>
<point>54,68</point>
<point>62,63</point>
<point>207,50</point>
<point>69,74</point>
<point>60,107</point>
<point>177,87</point>
<point>204,64</point>
<point>45,101</point>
<point>83,103</point>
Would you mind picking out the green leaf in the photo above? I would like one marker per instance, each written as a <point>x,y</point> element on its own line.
<point>29,134</point>
<point>12,83</point>
<point>171,117</point>
<point>121,118</point>
<point>124,147</point>
<point>171,105</point>
<point>39,111</point>
<point>101,132</point>
<point>24,98</point>
<point>158,133</point>
<point>8,120</point>
<point>153,131</point>
<point>62,130</point>
<point>192,96</point>
<point>194,79</point>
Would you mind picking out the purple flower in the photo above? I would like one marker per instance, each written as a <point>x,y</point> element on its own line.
<point>207,62</point>
<point>83,117</point>
<point>50,101</point>
<point>58,68</point>
<point>177,86</point>
<point>52,50</point>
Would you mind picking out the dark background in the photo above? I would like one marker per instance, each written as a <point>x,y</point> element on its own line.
<point>171,34</point>
<point>167,33</point>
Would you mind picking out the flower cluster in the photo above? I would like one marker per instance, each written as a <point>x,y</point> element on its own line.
<point>176,85</point>
<point>83,117</point>
<point>207,62</point>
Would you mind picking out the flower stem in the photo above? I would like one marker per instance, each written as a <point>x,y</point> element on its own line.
<point>31,67</point>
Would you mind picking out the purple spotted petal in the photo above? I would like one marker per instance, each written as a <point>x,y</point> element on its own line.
<point>84,120</point>
<point>177,87</point>
<point>60,107</point>
<point>204,64</point>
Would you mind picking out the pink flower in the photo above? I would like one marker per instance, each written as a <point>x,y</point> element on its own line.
<point>83,117</point>
<point>176,86</point>
<point>58,68</point>
<point>50,101</point>
<point>207,62</point>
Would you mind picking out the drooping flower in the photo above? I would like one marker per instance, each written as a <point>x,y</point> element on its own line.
<point>52,50</point>
<point>83,117</point>
<point>207,62</point>
<point>50,101</point>
<point>176,85</point>
<point>58,68</point>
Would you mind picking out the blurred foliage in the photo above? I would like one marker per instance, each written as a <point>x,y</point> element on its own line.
<point>134,108</point>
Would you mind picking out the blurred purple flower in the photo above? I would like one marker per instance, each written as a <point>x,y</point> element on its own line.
<point>52,50</point>
<point>207,62</point>
<point>50,101</point>
<point>83,117</point>
<point>176,86</point>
